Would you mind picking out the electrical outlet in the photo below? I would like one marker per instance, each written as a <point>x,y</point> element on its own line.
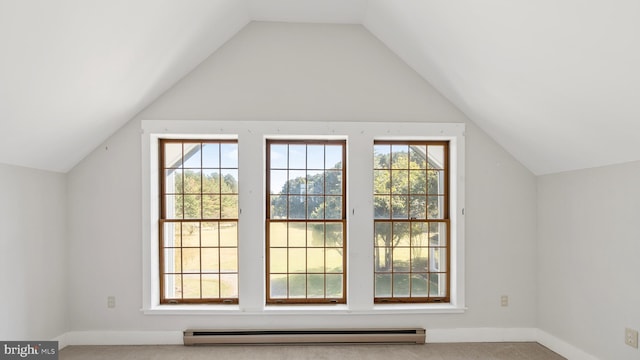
<point>631,337</point>
<point>111,302</point>
<point>504,300</point>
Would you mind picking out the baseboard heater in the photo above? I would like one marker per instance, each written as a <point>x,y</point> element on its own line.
<point>325,336</point>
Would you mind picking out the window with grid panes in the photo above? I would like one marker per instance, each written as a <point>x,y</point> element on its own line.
<point>198,221</point>
<point>411,221</point>
<point>306,222</point>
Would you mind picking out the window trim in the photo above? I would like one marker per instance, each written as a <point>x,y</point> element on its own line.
<point>251,137</point>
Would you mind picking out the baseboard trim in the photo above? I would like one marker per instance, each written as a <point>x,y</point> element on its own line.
<point>433,336</point>
<point>562,347</point>
<point>481,335</point>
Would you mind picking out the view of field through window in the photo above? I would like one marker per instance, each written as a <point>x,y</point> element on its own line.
<point>306,222</point>
<point>411,223</point>
<point>199,222</point>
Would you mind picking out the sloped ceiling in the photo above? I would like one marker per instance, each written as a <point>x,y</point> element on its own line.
<point>557,83</point>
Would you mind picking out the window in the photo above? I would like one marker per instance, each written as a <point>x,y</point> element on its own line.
<point>411,221</point>
<point>198,232</point>
<point>306,222</point>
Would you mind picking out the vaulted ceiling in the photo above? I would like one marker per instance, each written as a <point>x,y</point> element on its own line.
<point>556,83</point>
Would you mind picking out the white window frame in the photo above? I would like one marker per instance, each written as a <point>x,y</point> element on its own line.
<point>251,136</point>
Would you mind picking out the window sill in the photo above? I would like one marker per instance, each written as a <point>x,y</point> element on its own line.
<point>393,309</point>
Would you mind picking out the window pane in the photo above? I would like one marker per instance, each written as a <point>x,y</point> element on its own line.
<point>437,259</point>
<point>228,260</point>
<point>228,155</point>
<point>192,181</point>
<point>382,207</point>
<point>172,232</point>
<point>435,207</point>
<point>210,260</point>
<point>381,156</point>
<point>401,259</point>
<point>229,183</point>
<point>333,182</point>
<point>315,285</point>
<point>279,181</point>
<point>333,157</point>
<point>400,182</point>
<point>333,209</point>
<point>315,157</point>
<point>297,260</point>
<point>334,235</point>
<point>211,156</point>
<point>229,285</point>
<point>315,207</point>
<point>438,234</point>
<point>297,286</point>
<point>172,260</point>
<point>381,182</point>
<point>297,207</point>
<point>210,286</point>
<point>173,286</point>
<point>297,182</point>
<point>401,234</point>
<point>278,260</point>
<point>229,204</point>
<point>192,206</point>
<point>173,181</point>
<point>382,234</point>
<point>401,285</point>
<point>436,157</point>
<point>173,206</point>
<point>334,285</point>
<point>190,260</point>
<point>210,181</point>
<point>209,234</point>
<point>315,182</point>
<point>190,234</point>
<point>279,206</point>
<point>417,207</point>
<point>173,155</point>
<point>297,156</point>
<point>419,258</point>
<point>383,285</point>
<point>419,285</point>
<point>210,206</point>
<point>400,206</point>
<point>437,284</point>
<point>278,156</point>
<point>420,233</point>
<point>400,156</point>
<point>278,286</point>
<point>315,260</point>
<point>297,235</point>
<point>278,234</point>
<point>383,259</point>
<point>228,233</point>
<point>418,156</point>
<point>192,156</point>
<point>418,182</point>
<point>315,234</point>
<point>334,260</point>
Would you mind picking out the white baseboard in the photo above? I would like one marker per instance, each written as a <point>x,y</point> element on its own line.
<point>433,336</point>
<point>481,335</point>
<point>563,348</point>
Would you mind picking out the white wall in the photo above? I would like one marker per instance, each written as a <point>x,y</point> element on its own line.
<point>588,250</point>
<point>33,271</point>
<point>273,71</point>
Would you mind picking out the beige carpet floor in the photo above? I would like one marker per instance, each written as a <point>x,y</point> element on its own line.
<point>459,351</point>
